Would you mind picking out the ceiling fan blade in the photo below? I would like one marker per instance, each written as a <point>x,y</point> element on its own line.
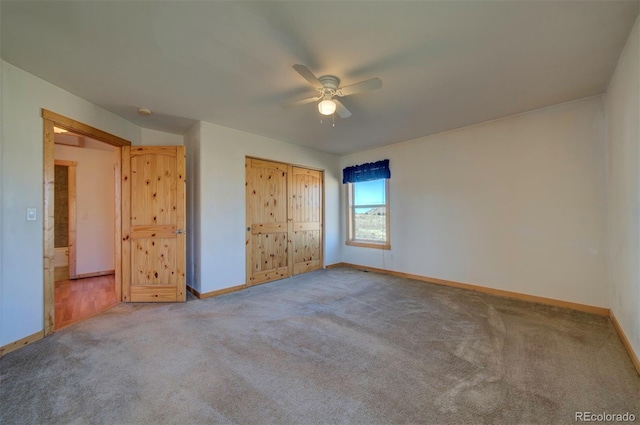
<point>372,84</point>
<point>341,109</point>
<point>307,75</point>
<point>299,102</point>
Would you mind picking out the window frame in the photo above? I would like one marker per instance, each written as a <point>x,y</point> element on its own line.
<point>365,243</point>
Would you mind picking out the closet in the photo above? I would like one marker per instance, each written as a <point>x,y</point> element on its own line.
<point>284,219</point>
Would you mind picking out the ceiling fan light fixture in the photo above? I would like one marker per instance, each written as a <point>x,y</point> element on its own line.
<point>327,107</point>
<point>327,87</point>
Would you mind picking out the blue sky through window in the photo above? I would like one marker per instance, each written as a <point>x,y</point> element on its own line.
<point>371,192</point>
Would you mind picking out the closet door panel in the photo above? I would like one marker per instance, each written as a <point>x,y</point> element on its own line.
<point>306,217</point>
<point>267,237</point>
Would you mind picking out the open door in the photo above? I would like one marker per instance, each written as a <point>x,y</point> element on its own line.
<point>153,223</point>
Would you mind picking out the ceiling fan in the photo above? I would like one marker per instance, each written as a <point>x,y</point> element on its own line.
<point>328,88</point>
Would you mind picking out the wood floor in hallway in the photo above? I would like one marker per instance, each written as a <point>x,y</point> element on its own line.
<point>77,300</point>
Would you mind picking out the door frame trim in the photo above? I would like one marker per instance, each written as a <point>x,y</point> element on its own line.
<point>51,119</point>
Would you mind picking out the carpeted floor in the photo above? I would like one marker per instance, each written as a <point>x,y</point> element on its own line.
<point>334,346</point>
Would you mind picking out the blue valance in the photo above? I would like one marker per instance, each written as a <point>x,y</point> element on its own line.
<point>366,172</point>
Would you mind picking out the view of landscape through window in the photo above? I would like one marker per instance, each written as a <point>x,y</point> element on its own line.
<point>370,210</point>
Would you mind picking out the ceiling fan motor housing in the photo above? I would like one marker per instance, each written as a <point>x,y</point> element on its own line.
<point>329,86</point>
<point>329,82</point>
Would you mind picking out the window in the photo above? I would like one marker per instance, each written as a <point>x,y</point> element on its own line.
<point>368,214</point>
<point>368,204</point>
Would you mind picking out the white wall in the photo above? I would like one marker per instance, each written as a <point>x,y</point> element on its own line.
<point>95,206</point>
<point>623,184</point>
<point>1,197</point>
<point>516,204</point>
<point>150,137</point>
<point>192,146</point>
<point>221,260</point>
<point>23,95</point>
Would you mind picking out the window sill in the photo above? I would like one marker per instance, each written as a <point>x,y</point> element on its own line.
<point>369,244</point>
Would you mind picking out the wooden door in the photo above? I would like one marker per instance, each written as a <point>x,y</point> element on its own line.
<point>284,220</point>
<point>267,241</point>
<point>306,215</point>
<point>153,224</point>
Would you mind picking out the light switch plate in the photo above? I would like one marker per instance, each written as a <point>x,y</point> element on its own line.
<point>31,214</point>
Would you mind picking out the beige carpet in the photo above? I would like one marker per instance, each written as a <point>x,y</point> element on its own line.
<point>336,346</point>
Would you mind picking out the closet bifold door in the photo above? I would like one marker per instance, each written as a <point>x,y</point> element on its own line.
<point>268,252</point>
<point>306,217</point>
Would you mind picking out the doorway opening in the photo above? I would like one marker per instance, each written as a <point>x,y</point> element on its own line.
<point>52,120</point>
<point>84,221</point>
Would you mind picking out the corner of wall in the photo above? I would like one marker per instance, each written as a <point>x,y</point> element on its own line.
<point>149,137</point>
<point>1,180</point>
<point>192,145</point>
<point>623,192</point>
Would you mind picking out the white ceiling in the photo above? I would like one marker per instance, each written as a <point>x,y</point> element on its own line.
<point>443,64</point>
